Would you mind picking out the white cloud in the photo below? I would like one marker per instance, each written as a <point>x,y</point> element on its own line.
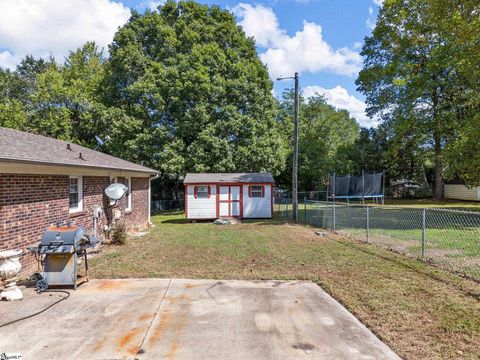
<point>305,51</point>
<point>152,5</point>
<point>52,27</point>
<point>358,45</point>
<point>339,98</point>
<point>372,14</point>
<point>261,23</point>
<point>370,22</point>
<point>7,60</point>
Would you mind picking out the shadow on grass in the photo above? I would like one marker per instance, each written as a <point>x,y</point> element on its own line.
<point>266,222</point>
<point>168,212</point>
<point>174,221</point>
<point>209,221</point>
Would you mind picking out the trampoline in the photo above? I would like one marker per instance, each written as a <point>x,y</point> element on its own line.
<point>366,186</point>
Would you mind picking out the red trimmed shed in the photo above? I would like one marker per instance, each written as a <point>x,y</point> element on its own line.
<point>223,195</point>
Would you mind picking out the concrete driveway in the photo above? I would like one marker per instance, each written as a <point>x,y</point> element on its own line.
<point>188,319</point>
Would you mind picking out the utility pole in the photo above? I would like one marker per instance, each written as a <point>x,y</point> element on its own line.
<point>295,148</point>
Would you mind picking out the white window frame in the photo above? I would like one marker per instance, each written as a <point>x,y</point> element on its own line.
<point>206,192</point>
<point>128,194</point>
<point>256,191</point>
<point>80,194</point>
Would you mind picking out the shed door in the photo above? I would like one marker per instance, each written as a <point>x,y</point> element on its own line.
<point>234,200</point>
<point>224,203</point>
<point>229,201</point>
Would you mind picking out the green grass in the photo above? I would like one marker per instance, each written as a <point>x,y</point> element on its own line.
<point>422,312</point>
<point>452,239</point>
<point>432,203</point>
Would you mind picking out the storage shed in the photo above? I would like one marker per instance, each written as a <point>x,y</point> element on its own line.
<point>223,195</point>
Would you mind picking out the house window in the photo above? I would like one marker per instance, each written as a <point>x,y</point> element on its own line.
<point>202,192</point>
<point>128,195</point>
<point>75,194</point>
<point>256,191</point>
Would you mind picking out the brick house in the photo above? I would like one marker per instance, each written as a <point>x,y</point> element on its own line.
<point>44,180</point>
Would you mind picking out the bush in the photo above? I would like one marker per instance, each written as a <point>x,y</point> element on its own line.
<point>119,234</point>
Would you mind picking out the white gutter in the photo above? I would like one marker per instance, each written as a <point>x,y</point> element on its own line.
<point>150,199</point>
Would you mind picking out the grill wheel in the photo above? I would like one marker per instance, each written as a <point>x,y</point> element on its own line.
<point>42,285</point>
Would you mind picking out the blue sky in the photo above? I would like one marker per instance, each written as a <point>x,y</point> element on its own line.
<point>321,39</point>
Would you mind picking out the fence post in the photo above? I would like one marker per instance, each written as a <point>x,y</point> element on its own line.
<point>305,208</point>
<point>334,218</point>
<point>424,213</point>
<point>368,223</point>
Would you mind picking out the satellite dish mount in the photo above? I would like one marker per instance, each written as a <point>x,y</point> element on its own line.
<point>115,192</point>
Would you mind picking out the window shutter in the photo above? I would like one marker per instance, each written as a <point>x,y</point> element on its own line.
<point>209,191</point>
<point>263,191</point>
<point>250,191</point>
<point>195,192</point>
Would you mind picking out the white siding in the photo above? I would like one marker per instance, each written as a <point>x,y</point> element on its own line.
<point>461,192</point>
<point>202,208</point>
<point>257,207</point>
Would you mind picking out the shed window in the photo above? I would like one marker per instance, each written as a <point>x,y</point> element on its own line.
<point>75,194</point>
<point>256,191</point>
<point>202,192</point>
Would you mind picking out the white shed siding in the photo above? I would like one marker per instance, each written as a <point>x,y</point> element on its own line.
<point>201,208</point>
<point>461,192</point>
<point>257,207</point>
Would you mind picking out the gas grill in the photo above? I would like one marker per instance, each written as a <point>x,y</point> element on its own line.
<point>58,255</point>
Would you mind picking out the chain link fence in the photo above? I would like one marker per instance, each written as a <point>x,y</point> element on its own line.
<point>447,238</point>
<point>165,205</point>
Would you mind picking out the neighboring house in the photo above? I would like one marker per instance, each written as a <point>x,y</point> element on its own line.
<point>218,195</point>
<point>461,192</point>
<point>44,180</point>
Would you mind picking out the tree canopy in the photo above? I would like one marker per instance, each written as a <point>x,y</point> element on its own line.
<point>200,94</point>
<point>326,136</point>
<point>182,90</point>
<point>416,80</point>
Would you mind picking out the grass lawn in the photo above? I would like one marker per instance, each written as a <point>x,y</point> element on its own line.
<point>452,238</point>
<point>432,203</point>
<point>420,311</point>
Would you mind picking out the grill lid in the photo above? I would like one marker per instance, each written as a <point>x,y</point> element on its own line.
<point>63,234</point>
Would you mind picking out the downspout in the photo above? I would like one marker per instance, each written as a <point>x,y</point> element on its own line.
<point>150,224</point>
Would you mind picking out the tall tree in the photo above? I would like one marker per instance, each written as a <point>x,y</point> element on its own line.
<point>410,75</point>
<point>192,79</point>
<point>325,138</point>
<point>16,89</point>
<point>462,27</point>
<point>368,151</point>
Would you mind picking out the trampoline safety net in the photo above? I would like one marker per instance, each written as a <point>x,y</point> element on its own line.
<point>367,185</point>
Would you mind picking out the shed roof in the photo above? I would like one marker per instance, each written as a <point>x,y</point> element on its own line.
<point>206,178</point>
<point>19,146</point>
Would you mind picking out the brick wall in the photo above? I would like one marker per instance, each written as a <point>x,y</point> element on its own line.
<point>30,203</point>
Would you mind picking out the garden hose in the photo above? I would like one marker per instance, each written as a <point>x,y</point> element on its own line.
<point>41,311</point>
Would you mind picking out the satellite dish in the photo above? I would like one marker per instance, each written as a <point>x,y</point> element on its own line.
<point>115,192</point>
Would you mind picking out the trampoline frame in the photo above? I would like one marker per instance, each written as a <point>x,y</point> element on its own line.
<point>363,196</point>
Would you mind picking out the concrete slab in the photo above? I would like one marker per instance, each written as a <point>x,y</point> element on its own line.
<point>189,319</point>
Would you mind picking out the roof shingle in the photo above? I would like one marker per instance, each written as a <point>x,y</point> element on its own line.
<point>19,146</point>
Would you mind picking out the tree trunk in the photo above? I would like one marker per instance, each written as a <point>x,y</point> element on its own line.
<point>425,185</point>
<point>438,194</point>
